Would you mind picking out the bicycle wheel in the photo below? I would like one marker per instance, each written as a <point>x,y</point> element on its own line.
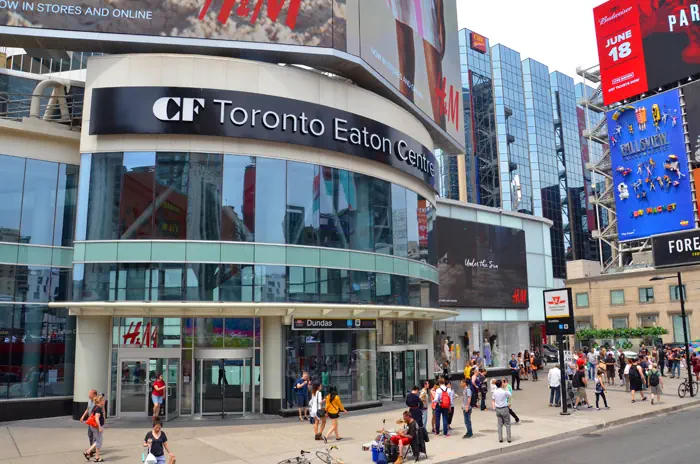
<point>682,390</point>
<point>324,457</point>
<point>296,460</point>
<point>695,387</point>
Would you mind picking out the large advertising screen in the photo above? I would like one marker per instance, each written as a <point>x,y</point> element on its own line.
<point>410,47</point>
<point>481,265</point>
<point>692,116</point>
<point>645,44</point>
<point>414,44</point>
<point>650,167</point>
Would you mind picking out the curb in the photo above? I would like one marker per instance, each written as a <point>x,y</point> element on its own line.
<point>567,435</point>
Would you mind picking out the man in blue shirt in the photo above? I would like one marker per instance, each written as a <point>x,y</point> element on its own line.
<point>302,389</point>
<point>514,372</point>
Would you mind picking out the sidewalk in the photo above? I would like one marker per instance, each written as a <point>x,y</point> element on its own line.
<point>61,440</point>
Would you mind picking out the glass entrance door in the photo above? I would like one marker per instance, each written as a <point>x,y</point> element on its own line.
<point>172,398</point>
<point>410,369</point>
<point>384,374</point>
<point>225,386</point>
<point>397,368</point>
<point>133,388</point>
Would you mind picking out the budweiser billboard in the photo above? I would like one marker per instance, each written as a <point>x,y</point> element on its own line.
<point>645,44</point>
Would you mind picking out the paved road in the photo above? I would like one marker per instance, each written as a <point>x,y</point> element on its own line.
<point>671,439</point>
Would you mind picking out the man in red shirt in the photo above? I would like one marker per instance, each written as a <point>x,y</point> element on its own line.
<point>581,361</point>
<point>157,394</point>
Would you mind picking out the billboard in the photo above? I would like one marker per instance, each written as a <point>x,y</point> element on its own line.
<point>678,249</point>
<point>481,265</point>
<point>415,46</point>
<point>692,117</point>
<point>477,42</point>
<point>645,44</point>
<point>410,46</point>
<point>650,168</point>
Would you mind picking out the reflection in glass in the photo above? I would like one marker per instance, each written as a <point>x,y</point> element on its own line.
<point>235,282</point>
<point>361,289</point>
<point>381,216</point>
<point>302,218</point>
<point>7,282</point>
<point>11,181</point>
<point>167,282</point>
<point>399,221</point>
<point>209,332</point>
<point>270,283</point>
<point>98,283</point>
<point>334,205</point>
<point>204,196</point>
<point>39,202</point>
<point>412,224</point>
<point>238,332</point>
<point>172,174</point>
<point>202,282</point>
<point>361,221</point>
<point>66,202</point>
<point>270,200</point>
<point>105,194</point>
<point>81,216</point>
<point>238,206</point>
<point>137,195</point>
<point>335,285</point>
<point>33,284</point>
<point>133,282</point>
<point>303,284</point>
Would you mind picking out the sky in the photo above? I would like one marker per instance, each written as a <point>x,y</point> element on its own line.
<point>557,33</point>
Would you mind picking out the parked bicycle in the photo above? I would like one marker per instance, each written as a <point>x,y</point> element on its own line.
<point>323,456</point>
<point>685,387</point>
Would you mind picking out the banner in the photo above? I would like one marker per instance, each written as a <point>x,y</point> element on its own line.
<point>646,44</point>
<point>682,248</point>
<point>481,265</point>
<point>650,168</point>
<point>415,46</point>
<point>692,117</point>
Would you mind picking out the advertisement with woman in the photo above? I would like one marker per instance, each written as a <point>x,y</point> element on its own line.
<point>414,45</point>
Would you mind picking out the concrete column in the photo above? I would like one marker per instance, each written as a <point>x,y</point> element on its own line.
<point>92,359</point>
<point>273,364</point>
<point>425,332</point>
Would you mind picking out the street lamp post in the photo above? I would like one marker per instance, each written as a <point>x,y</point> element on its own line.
<point>685,328</point>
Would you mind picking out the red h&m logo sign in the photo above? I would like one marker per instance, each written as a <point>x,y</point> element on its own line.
<point>274,8</point>
<point>133,335</point>
<point>519,296</point>
<point>448,108</point>
<point>477,42</point>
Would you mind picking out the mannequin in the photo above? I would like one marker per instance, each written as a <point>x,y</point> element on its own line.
<point>487,353</point>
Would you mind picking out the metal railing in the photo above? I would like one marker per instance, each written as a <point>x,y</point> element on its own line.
<point>16,106</point>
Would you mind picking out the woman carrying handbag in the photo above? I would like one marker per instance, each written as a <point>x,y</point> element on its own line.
<point>318,412</point>
<point>157,443</point>
<point>96,422</point>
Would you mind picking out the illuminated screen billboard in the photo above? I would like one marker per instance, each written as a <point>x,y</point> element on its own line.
<point>650,167</point>
<point>481,265</point>
<point>410,47</point>
<point>646,44</point>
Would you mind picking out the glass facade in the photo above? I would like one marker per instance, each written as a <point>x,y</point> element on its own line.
<point>344,359</point>
<point>37,343</point>
<point>511,123</point>
<point>200,196</point>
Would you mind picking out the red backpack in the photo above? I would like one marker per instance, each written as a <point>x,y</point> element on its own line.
<point>445,399</point>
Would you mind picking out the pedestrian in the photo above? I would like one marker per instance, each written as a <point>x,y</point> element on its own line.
<point>90,406</point>
<point>637,380</point>
<point>510,400</point>
<point>514,371</point>
<point>526,367</point>
<point>443,404</point>
<point>579,384</point>
<point>534,365</point>
<point>302,390</point>
<point>333,409</point>
<point>662,359</point>
<point>96,421</point>
<point>452,408</point>
<point>483,387</point>
<point>656,384</point>
<point>433,404</point>
<point>600,390</point>
<point>500,405</point>
<point>592,365</point>
<point>571,368</point>
<point>414,405</point>
<point>676,369</point>
<point>157,395</point>
<point>467,408</point>
<point>554,378</point>
<point>610,368</point>
<point>425,400</point>
<point>622,362</point>
<point>157,442</point>
<point>521,366</point>
<point>318,413</point>
<point>695,363</point>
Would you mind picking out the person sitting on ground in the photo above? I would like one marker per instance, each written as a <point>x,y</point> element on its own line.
<point>406,436</point>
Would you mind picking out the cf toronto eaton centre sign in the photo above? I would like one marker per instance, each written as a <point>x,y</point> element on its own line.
<point>192,111</point>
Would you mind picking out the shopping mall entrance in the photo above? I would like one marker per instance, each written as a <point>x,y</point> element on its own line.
<point>223,382</point>
<point>399,368</point>
<point>137,374</point>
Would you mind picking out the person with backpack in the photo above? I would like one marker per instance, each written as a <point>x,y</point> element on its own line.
<point>600,390</point>
<point>637,380</point>
<point>579,383</point>
<point>483,387</point>
<point>655,384</point>
<point>451,414</point>
<point>444,399</point>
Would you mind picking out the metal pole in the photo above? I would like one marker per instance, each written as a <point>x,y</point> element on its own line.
<point>564,378</point>
<point>685,337</point>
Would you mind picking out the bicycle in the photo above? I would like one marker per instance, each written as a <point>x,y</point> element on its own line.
<point>684,388</point>
<point>301,459</point>
<point>323,456</point>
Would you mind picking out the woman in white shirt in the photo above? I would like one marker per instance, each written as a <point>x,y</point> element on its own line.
<point>318,412</point>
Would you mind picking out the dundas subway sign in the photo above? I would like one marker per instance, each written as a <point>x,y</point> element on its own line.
<point>193,111</point>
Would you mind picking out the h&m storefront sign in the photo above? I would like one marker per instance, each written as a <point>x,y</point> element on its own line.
<point>334,324</point>
<point>226,113</point>
<point>677,249</point>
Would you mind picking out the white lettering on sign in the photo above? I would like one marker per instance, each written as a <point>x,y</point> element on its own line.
<point>684,245</point>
